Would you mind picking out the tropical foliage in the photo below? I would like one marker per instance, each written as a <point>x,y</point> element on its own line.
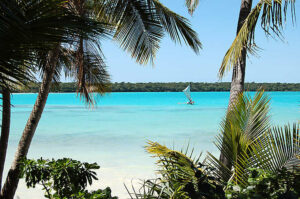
<point>63,178</point>
<point>51,45</point>
<point>26,39</point>
<point>265,184</point>
<point>250,142</point>
<point>141,25</point>
<point>28,27</point>
<point>181,176</point>
<point>273,14</point>
<point>29,31</point>
<point>51,36</point>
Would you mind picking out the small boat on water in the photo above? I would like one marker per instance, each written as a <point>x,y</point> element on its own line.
<point>187,92</point>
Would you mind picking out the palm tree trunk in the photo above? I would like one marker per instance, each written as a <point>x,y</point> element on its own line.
<point>12,179</point>
<point>238,74</point>
<point>4,129</point>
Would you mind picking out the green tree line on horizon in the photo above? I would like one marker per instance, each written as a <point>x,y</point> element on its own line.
<point>166,87</point>
<point>56,37</point>
<point>52,37</point>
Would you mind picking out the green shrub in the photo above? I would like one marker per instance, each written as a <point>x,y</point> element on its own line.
<point>63,178</point>
<point>262,184</point>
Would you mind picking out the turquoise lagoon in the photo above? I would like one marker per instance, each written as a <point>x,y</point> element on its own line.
<point>113,132</point>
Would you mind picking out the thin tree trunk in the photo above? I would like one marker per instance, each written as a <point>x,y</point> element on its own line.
<point>12,179</point>
<point>238,74</point>
<point>4,129</point>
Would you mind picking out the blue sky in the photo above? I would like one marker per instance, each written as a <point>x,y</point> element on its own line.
<point>215,23</point>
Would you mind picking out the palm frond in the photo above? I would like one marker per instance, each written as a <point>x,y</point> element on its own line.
<point>156,189</point>
<point>87,67</point>
<point>138,30</point>
<point>221,171</point>
<point>242,126</point>
<point>173,161</point>
<point>247,141</point>
<point>177,169</point>
<point>92,75</point>
<point>181,176</point>
<point>244,39</point>
<point>177,26</point>
<point>273,13</point>
<point>140,26</point>
<point>32,26</point>
<point>278,148</point>
<point>248,120</point>
<point>191,5</point>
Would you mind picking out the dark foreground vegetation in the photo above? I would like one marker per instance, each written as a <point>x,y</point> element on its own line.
<point>168,87</point>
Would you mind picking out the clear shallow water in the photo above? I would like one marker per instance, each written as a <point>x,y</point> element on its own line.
<point>114,132</point>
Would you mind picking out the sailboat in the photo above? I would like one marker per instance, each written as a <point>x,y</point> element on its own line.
<point>187,92</point>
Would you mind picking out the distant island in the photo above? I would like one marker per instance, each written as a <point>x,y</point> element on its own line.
<point>166,87</point>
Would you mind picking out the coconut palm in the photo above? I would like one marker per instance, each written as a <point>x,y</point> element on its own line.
<point>139,26</point>
<point>5,127</point>
<point>30,28</point>
<point>272,13</point>
<point>248,141</point>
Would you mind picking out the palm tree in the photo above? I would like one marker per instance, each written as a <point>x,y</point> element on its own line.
<point>4,128</point>
<point>250,142</point>
<point>273,13</point>
<point>29,28</point>
<point>139,29</point>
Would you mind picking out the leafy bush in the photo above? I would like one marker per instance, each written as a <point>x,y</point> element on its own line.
<point>262,184</point>
<point>63,178</point>
<point>180,177</point>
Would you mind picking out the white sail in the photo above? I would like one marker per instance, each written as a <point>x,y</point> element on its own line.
<point>187,92</point>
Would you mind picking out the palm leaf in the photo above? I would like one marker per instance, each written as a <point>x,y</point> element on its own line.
<point>140,26</point>
<point>177,26</point>
<point>138,31</point>
<point>191,5</point>
<point>32,26</point>
<point>247,141</point>
<point>273,13</point>
<point>278,148</point>
<point>92,75</point>
<point>156,189</point>
<point>242,126</point>
<point>174,163</point>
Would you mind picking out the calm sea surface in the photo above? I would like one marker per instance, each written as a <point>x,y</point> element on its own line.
<point>114,132</point>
